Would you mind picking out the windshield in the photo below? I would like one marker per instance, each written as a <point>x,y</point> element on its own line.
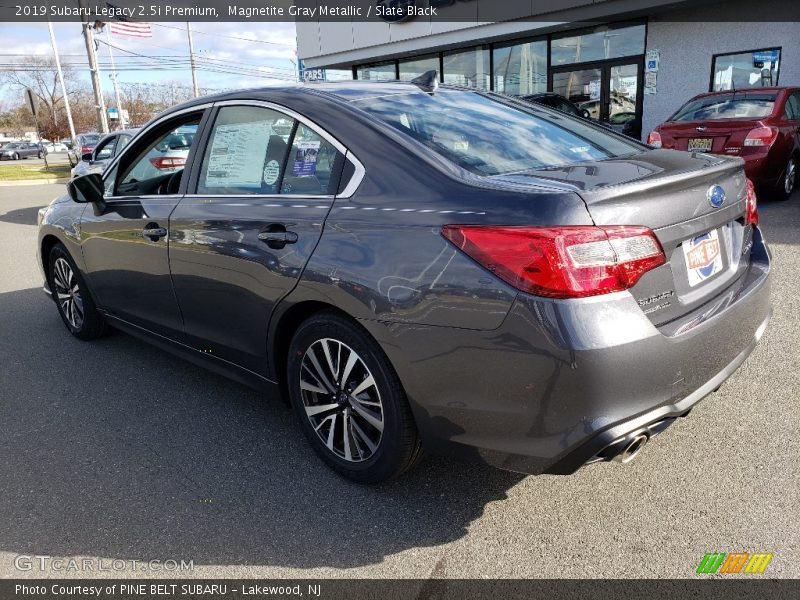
<point>488,137</point>
<point>733,106</point>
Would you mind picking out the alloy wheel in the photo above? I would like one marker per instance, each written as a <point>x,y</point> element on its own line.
<point>68,293</point>
<point>791,176</point>
<point>341,400</point>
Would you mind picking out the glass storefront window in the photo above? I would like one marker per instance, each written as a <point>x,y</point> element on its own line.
<point>414,67</point>
<point>338,74</point>
<point>469,68</point>
<point>377,72</point>
<point>599,44</point>
<point>520,69</point>
<point>758,68</point>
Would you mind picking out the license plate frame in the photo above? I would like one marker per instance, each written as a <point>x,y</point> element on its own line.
<point>702,255</point>
<point>700,144</point>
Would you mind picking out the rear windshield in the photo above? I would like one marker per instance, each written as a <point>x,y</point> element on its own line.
<point>489,137</point>
<point>726,107</point>
<point>90,139</point>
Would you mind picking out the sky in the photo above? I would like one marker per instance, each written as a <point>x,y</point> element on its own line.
<point>229,55</point>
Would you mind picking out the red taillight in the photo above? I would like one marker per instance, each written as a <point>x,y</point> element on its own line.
<point>761,136</point>
<point>561,262</point>
<point>168,162</point>
<point>86,149</point>
<point>751,216</point>
<point>654,139</point>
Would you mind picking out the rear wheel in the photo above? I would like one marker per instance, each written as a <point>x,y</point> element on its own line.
<point>349,401</point>
<point>16,156</point>
<point>788,182</point>
<point>72,298</point>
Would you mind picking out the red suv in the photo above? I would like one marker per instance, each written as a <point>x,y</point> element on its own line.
<point>760,125</point>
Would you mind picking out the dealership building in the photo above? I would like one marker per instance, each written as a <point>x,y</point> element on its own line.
<point>620,61</point>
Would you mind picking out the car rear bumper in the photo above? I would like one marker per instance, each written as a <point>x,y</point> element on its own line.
<point>761,170</point>
<point>561,380</point>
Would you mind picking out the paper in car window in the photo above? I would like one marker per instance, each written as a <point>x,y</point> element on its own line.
<point>236,159</point>
<point>305,159</point>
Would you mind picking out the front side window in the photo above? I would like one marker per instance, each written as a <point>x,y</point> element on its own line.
<point>159,165</point>
<point>726,106</point>
<point>489,137</point>
<point>758,68</point>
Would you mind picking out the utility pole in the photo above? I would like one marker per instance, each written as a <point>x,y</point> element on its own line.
<point>114,78</point>
<point>97,84</point>
<point>191,60</point>
<point>72,135</point>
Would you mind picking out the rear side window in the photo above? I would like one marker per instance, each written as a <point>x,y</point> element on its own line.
<point>310,165</point>
<point>734,106</point>
<point>793,106</point>
<point>256,150</point>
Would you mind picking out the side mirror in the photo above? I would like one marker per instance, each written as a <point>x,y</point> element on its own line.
<point>86,157</point>
<point>87,188</point>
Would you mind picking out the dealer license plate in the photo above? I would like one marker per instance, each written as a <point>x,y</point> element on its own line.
<point>700,145</point>
<point>703,257</point>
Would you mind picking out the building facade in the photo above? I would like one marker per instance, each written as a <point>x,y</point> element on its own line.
<point>628,62</point>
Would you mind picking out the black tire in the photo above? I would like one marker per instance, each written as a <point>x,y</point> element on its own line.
<point>16,156</point>
<point>398,445</point>
<point>788,181</point>
<point>39,155</point>
<point>91,324</point>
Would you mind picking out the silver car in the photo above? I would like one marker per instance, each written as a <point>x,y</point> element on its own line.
<point>18,150</point>
<point>106,149</point>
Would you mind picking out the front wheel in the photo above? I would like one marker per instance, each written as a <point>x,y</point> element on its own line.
<point>349,401</point>
<point>16,156</point>
<point>72,298</point>
<point>788,182</point>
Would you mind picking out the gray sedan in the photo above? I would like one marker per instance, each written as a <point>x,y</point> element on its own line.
<point>17,150</point>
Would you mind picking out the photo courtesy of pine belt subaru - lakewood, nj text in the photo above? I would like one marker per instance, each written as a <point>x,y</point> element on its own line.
<point>418,267</point>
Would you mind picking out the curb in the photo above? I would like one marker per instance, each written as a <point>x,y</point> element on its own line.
<point>32,181</point>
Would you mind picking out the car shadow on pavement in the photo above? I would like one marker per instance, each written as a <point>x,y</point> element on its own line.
<point>21,216</point>
<point>116,449</point>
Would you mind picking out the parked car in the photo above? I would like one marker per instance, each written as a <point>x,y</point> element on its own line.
<point>52,147</point>
<point>556,101</point>
<point>86,142</point>
<point>429,267</point>
<point>18,150</point>
<point>107,148</point>
<point>760,125</point>
<point>622,122</point>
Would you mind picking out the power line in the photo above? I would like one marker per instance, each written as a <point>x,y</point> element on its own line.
<point>230,37</point>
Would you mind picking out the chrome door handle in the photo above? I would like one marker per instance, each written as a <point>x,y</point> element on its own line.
<point>154,233</point>
<point>279,237</point>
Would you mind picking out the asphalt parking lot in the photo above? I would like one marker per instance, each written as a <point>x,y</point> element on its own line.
<point>117,450</point>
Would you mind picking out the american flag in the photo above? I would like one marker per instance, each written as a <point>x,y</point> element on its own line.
<point>131,29</point>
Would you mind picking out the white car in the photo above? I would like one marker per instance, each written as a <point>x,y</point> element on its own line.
<point>55,147</point>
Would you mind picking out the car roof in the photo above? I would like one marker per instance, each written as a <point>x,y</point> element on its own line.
<point>347,91</point>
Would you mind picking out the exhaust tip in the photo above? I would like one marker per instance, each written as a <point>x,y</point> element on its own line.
<point>632,449</point>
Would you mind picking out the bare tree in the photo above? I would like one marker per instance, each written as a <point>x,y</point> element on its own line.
<point>39,73</point>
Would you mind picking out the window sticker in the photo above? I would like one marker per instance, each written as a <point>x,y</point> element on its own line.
<point>272,171</point>
<point>305,159</point>
<point>235,159</point>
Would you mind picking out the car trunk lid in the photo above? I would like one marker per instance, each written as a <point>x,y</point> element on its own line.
<point>669,192</point>
<point>718,137</point>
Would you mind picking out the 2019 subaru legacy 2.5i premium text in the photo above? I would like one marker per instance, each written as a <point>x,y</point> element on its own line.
<point>424,267</point>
